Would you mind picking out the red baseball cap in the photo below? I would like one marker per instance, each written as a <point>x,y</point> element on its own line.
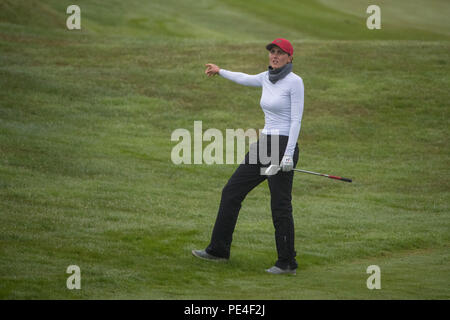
<point>283,44</point>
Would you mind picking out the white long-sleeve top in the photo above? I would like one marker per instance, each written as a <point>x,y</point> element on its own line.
<point>281,102</point>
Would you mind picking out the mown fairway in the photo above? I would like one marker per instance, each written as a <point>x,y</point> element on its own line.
<point>86,176</point>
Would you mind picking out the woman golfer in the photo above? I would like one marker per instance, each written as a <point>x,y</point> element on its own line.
<point>282,103</point>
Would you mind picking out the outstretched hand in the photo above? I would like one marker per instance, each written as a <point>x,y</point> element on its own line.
<point>211,69</point>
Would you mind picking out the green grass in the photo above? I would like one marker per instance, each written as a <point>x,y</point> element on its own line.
<point>86,176</point>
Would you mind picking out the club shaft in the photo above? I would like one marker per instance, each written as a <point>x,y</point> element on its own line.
<point>324,175</point>
<point>310,172</point>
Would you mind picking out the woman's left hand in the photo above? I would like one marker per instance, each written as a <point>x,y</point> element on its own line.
<point>287,164</point>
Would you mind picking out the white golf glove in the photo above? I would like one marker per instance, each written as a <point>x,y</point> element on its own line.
<point>287,164</point>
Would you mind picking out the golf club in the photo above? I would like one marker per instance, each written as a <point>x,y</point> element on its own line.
<point>273,169</point>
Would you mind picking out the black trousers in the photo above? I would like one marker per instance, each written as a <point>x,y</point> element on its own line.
<point>246,177</point>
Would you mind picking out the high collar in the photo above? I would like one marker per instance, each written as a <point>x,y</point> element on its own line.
<point>279,73</point>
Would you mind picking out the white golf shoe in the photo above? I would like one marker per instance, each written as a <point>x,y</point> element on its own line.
<point>276,270</point>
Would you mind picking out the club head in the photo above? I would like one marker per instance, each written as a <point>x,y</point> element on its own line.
<point>271,170</point>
